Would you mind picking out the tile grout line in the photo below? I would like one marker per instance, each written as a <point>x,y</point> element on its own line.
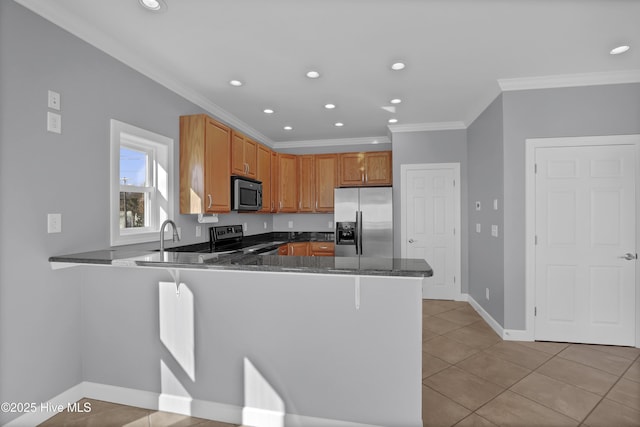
<point>604,396</point>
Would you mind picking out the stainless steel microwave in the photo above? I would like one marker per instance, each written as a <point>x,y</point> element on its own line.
<point>246,194</point>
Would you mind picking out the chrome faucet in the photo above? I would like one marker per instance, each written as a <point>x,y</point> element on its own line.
<point>175,233</point>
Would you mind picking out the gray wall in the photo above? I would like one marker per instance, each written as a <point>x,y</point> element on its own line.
<point>486,179</point>
<point>41,172</point>
<point>446,146</point>
<point>580,111</point>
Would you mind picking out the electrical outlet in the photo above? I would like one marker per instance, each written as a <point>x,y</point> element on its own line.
<point>198,230</point>
<point>53,101</point>
<point>494,230</point>
<point>265,225</point>
<point>290,224</point>
<point>486,293</point>
<point>244,227</point>
<point>330,224</point>
<point>54,223</point>
<point>478,228</point>
<point>54,122</point>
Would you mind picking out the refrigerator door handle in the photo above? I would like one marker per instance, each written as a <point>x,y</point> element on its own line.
<point>359,228</point>
<point>356,236</point>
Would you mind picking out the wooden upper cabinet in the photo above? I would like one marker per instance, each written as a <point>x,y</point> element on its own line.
<point>306,186</point>
<point>263,174</point>
<point>244,153</point>
<point>377,167</point>
<point>326,171</point>
<point>365,169</point>
<point>275,180</point>
<point>351,167</point>
<point>205,183</point>
<point>287,183</point>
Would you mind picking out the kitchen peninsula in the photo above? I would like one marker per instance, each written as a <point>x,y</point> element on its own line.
<point>330,340</point>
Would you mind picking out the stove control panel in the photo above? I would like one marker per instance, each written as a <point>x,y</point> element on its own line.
<point>225,232</point>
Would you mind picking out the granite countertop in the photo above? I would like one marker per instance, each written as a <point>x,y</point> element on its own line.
<point>243,261</point>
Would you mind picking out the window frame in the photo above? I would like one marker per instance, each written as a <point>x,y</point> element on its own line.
<point>160,154</point>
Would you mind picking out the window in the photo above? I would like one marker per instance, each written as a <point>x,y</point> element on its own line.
<point>141,190</point>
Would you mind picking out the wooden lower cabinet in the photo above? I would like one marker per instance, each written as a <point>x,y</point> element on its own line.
<point>321,249</point>
<point>307,249</point>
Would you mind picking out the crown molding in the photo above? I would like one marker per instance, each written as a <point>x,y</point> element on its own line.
<point>333,142</point>
<point>111,47</point>
<point>422,127</point>
<point>570,80</point>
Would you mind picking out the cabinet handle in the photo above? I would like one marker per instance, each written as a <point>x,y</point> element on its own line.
<point>210,201</point>
<point>316,205</point>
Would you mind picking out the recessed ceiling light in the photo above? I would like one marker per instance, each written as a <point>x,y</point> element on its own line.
<point>288,128</point>
<point>153,5</point>
<point>618,50</point>
<point>338,124</point>
<point>397,66</point>
<point>268,111</point>
<point>313,74</point>
<point>396,101</point>
<point>235,83</point>
<point>329,106</point>
<point>393,120</point>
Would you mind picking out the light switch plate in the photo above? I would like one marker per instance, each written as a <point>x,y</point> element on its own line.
<point>54,223</point>
<point>54,122</point>
<point>478,228</point>
<point>495,204</point>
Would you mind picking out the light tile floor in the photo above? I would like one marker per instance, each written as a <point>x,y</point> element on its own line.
<point>472,378</point>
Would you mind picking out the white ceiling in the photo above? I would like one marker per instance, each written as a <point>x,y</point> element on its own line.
<point>458,54</point>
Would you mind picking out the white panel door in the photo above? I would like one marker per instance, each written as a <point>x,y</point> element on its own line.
<point>585,224</point>
<point>430,213</point>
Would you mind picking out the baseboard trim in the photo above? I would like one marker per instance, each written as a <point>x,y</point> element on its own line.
<point>177,404</point>
<point>505,334</point>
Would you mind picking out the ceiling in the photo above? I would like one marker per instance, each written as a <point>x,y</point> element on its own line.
<point>459,54</point>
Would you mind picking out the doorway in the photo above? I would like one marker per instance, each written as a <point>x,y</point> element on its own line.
<point>430,226</point>
<point>582,209</point>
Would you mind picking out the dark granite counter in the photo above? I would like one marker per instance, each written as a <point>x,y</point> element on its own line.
<point>249,262</point>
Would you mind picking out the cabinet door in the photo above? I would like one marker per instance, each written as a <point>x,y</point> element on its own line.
<point>275,190</point>
<point>377,166</point>
<point>351,169</point>
<point>217,182</point>
<point>263,174</point>
<point>251,158</point>
<point>288,180</point>
<point>326,171</point>
<point>306,188</point>
<point>238,166</point>
<point>299,249</point>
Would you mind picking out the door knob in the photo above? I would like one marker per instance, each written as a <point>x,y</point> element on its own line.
<point>629,256</point>
<point>411,240</point>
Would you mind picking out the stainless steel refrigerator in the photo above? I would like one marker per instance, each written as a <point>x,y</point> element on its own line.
<point>364,222</point>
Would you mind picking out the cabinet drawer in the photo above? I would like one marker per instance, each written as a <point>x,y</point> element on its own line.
<point>322,248</point>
